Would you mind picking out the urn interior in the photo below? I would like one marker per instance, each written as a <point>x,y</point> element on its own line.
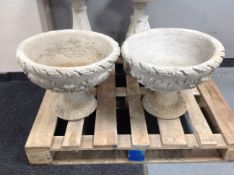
<point>67,49</point>
<point>171,48</point>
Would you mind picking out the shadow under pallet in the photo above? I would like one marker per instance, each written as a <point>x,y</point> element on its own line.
<point>121,131</point>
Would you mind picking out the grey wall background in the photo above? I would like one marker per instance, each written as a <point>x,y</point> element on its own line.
<point>19,19</point>
<point>111,17</point>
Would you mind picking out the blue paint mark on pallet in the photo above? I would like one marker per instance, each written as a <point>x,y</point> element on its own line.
<point>136,155</point>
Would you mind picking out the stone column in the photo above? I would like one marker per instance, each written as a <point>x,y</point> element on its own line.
<point>80,16</point>
<point>139,19</point>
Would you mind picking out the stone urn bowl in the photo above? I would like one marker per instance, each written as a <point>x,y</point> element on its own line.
<point>69,62</point>
<point>169,60</point>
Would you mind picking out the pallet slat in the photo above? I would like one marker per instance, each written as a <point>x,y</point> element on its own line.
<point>44,126</point>
<point>185,156</point>
<point>73,133</point>
<point>140,137</point>
<point>105,133</point>
<point>124,143</point>
<point>198,121</point>
<point>219,109</point>
<point>172,133</point>
<point>41,135</point>
<point>195,91</point>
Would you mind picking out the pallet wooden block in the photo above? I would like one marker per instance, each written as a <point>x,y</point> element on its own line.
<point>204,134</point>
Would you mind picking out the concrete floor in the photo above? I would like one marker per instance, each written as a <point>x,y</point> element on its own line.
<point>224,79</point>
<point>192,169</point>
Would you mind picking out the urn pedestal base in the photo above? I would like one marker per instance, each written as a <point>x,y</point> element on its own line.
<point>164,105</point>
<point>74,106</point>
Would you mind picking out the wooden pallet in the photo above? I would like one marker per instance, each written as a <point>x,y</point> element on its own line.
<point>120,124</point>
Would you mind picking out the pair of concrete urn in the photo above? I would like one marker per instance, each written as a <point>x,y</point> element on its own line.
<point>165,60</point>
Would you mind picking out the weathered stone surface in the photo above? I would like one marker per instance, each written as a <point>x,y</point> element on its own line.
<point>68,61</point>
<point>171,60</point>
